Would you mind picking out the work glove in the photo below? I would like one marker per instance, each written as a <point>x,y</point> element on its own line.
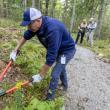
<point>36,78</point>
<point>13,55</point>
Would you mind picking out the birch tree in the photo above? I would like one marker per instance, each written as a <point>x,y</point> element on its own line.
<point>52,10</point>
<point>100,17</point>
<point>73,16</point>
<point>33,3</point>
<point>46,5</point>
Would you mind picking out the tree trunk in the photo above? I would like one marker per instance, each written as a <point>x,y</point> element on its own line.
<point>100,18</point>
<point>5,8</point>
<point>46,5</point>
<point>1,8</point>
<point>33,3</point>
<point>39,4</point>
<point>73,16</point>
<point>21,3</point>
<point>52,11</point>
<point>65,11</point>
<point>25,4</point>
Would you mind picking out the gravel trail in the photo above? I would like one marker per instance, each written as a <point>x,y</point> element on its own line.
<point>89,82</point>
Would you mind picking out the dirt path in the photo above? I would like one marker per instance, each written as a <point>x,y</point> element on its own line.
<point>89,82</point>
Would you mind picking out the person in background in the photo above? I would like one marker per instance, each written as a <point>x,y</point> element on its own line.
<point>90,31</point>
<point>81,31</point>
<point>60,46</point>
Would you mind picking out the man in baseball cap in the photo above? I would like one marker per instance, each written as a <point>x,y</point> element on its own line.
<point>30,15</point>
<point>58,42</point>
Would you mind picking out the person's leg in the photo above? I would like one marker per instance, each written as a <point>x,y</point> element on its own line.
<point>63,78</point>
<point>63,75</point>
<point>78,35</point>
<point>54,80</point>
<point>91,38</point>
<point>87,37</point>
<point>55,75</point>
<point>82,36</point>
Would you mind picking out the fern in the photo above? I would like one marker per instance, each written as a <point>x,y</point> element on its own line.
<point>35,104</point>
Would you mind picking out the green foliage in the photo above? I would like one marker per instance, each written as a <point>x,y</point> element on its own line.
<point>102,47</point>
<point>105,31</point>
<point>16,13</point>
<point>5,85</point>
<point>45,105</point>
<point>6,48</point>
<point>7,23</point>
<point>18,100</point>
<point>31,57</point>
<point>17,103</point>
<point>34,104</point>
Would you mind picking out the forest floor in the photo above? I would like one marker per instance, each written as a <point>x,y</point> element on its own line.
<point>89,82</point>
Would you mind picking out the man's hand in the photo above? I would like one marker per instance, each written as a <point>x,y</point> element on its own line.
<point>44,69</point>
<point>16,50</point>
<point>13,55</point>
<point>36,78</point>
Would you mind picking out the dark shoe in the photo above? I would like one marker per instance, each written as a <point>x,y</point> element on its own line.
<point>62,87</point>
<point>65,89</point>
<point>47,99</point>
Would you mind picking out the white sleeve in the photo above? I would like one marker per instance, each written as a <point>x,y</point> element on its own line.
<point>95,25</point>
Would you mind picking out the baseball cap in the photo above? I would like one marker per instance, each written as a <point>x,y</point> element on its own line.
<point>29,15</point>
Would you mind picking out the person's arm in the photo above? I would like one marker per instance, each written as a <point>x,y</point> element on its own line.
<point>27,35</point>
<point>20,44</point>
<point>44,69</point>
<point>95,25</point>
<point>79,26</point>
<point>52,51</point>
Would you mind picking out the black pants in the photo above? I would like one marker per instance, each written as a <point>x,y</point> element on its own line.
<point>80,34</point>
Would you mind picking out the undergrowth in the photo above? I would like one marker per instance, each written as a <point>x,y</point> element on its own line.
<point>100,46</point>
<point>31,58</point>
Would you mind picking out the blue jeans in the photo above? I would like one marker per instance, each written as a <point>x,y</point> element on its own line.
<point>59,72</point>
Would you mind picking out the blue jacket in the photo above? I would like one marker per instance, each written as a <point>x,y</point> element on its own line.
<point>55,38</point>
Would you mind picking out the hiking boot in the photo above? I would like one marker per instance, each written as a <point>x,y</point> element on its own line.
<point>62,87</point>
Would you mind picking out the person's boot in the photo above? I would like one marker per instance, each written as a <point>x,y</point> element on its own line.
<point>62,87</point>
